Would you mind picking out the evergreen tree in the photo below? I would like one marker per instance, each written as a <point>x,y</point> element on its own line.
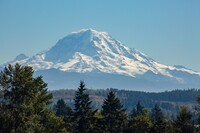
<point>158,120</point>
<point>114,115</point>
<point>197,127</point>
<point>198,99</point>
<point>183,123</point>
<point>140,123</point>
<point>52,123</point>
<point>138,110</point>
<point>170,127</point>
<point>65,112</point>
<point>61,108</point>
<point>83,113</point>
<point>23,100</point>
<point>98,126</point>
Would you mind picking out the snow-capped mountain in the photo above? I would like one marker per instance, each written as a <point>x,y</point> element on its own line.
<point>95,56</point>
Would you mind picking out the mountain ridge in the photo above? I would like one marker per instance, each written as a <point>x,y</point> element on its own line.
<point>90,51</point>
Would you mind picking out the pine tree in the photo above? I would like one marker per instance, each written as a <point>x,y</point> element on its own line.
<point>198,99</point>
<point>139,121</point>
<point>23,101</point>
<point>140,124</point>
<point>65,112</point>
<point>197,127</point>
<point>114,115</point>
<point>52,123</point>
<point>170,127</point>
<point>183,123</point>
<point>158,120</point>
<point>61,108</point>
<point>83,113</point>
<point>138,110</point>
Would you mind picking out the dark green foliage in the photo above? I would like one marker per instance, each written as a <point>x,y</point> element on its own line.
<point>183,123</point>
<point>197,126</point>
<point>114,115</point>
<point>198,99</point>
<point>23,100</point>
<point>139,121</point>
<point>83,114</point>
<point>61,108</point>
<point>138,110</point>
<point>170,127</point>
<point>139,124</point>
<point>65,112</point>
<point>158,120</point>
<point>98,124</point>
<point>52,123</point>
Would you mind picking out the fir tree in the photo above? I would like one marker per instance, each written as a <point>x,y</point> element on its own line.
<point>52,123</point>
<point>197,128</point>
<point>138,110</point>
<point>158,120</point>
<point>183,123</point>
<point>23,101</point>
<point>83,113</point>
<point>139,121</point>
<point>61,108</point>
<point>114,115</point>
<point>65,112</point>
<point>170,127</point>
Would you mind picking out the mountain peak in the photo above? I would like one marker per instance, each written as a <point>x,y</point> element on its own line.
<point>88,32</point>
<point>90,51</point>
<point>21,57</point>
<point>88,42</point>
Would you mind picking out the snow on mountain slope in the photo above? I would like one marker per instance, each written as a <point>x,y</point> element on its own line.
<point>89,51</point>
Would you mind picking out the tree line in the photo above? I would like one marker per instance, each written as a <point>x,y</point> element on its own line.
<point>169,101</point>
<point>24,108</point>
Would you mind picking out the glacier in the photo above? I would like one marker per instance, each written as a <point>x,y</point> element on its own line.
<point>103,62</point>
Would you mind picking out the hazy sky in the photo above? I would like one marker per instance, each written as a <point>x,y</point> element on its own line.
<point>166,30</point>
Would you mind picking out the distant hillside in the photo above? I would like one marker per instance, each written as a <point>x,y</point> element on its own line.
<point>170,101</point>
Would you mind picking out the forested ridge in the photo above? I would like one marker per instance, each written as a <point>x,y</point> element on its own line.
<point>26,106</point>
<point>169,101</point>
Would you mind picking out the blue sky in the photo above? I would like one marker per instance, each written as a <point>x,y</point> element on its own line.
<point>166,30</point>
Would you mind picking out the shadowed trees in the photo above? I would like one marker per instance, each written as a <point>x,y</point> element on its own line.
<point>114,115</point>
<point>83,115</point>
<point>24,101</point>
<point>158,120</point>
<point>183,123</point>
<point>139,121</point>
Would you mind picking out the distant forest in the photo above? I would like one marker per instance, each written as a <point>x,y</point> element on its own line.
<point>169,101</point>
